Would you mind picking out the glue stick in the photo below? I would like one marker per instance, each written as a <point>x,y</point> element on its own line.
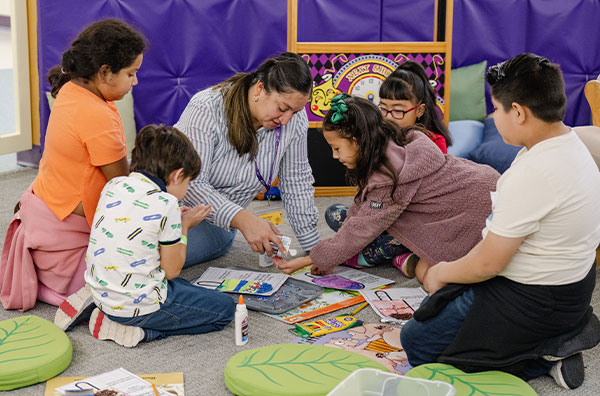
<point>241,322</point>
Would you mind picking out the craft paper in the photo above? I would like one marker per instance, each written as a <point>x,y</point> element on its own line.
<point>395,305</point>
<point>345,278</point>
<point>214,277</point>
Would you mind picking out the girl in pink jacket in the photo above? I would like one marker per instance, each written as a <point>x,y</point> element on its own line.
<point>410,195</point>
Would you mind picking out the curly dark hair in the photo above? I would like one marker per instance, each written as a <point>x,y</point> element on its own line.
<point>108,42</point>
<point>160,149</point>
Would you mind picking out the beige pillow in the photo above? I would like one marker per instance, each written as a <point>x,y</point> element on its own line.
<point>125,108</point>
<point>590,136</point>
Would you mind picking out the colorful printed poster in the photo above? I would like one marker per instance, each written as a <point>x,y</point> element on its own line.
<point>376,341</point>
<point>361,74</point>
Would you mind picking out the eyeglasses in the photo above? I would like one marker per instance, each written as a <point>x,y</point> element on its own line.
<point>397,114</point>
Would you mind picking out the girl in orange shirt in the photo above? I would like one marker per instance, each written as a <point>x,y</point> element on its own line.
<point>84,148</point>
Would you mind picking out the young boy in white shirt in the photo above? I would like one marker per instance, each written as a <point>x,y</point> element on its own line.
<point>138,246</point>
<point>519,301</point>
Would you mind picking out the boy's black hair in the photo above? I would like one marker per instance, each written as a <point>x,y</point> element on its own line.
<point>410,82</point>
<point>363,123</point>
<point>160,149</point>
<point>532,81</point>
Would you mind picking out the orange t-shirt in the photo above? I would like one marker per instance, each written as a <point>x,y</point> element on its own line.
<point>84,132</point>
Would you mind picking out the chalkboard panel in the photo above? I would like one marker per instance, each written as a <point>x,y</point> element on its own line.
<point>327,171</point>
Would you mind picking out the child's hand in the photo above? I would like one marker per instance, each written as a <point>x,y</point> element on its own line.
<point>431,281</point>
<point>316,271</point>
<point>190,217</point>
<point>291,266</point>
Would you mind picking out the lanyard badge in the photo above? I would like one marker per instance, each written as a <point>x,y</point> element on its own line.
<point>267,184</point>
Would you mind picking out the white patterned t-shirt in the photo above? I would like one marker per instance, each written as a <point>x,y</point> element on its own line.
<point>134,216</point>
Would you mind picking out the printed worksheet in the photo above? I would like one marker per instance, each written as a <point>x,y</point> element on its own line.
<point>395,305</point>
<point>344,278</point>
<point>240,281</point>
<point>119,379</point>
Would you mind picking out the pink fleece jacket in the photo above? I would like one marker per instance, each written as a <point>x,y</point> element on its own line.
<point>438,211</point>
<point>39,248</point>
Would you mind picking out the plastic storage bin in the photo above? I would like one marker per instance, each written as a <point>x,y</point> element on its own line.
<point>372,382</point>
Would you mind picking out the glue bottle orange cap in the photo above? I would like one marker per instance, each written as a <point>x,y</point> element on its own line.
<point>241,300</point>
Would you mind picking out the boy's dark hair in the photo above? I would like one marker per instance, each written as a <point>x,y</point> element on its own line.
<point>108,42</point>
<point>532,81</point>
<point>160,149</point>
<point>364,123</point>
<point>409,82</point>
<point>285,73</point>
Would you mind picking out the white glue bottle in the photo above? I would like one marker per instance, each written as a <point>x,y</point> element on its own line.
<point>241,322</point>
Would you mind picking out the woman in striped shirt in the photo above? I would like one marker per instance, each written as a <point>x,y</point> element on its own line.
<point>249,130</point>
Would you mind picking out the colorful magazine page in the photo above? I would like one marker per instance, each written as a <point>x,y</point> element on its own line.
<point>245,287</point>
<point>329,301</point>
<point>344,278</point>
<point>166,383</point>
<point>266,283</point>
<point>377,341</point>
<point>395,305</point>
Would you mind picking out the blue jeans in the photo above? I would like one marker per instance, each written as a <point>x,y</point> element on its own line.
<point>425,341</point>
<point>207,242</point>
<point>188,309</point>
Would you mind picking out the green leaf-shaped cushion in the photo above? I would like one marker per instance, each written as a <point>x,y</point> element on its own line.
<point>485,383</point>
<point>32,350</point>
<point>292,369</point>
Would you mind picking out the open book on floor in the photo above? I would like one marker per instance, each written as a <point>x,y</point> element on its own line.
<point>167,384</point>
<point>376,341</point>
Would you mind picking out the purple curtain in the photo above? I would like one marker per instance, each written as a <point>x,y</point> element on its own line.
<point>194,44</point>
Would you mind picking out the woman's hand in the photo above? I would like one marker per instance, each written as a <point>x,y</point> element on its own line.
<point>190,217</point>
<point>431,279</point>
<point>259,233</point>
<point>291,266</point>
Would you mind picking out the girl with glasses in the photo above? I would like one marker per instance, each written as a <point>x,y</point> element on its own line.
<point>407,98</point>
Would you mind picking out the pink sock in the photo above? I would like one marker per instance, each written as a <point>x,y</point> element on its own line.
<point>353,262</point>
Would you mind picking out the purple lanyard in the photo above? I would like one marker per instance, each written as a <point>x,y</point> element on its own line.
<point>267,184</point>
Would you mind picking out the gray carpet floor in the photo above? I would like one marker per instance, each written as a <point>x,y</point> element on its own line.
<point>202,358</point>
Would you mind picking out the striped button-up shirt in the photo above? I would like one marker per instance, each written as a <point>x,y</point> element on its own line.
<point>228,182</point>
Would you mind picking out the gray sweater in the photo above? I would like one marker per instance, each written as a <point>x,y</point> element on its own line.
<point>438,211</point>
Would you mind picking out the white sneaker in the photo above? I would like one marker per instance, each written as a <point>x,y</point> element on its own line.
<point>75,309</point>
<point>103,328</point>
